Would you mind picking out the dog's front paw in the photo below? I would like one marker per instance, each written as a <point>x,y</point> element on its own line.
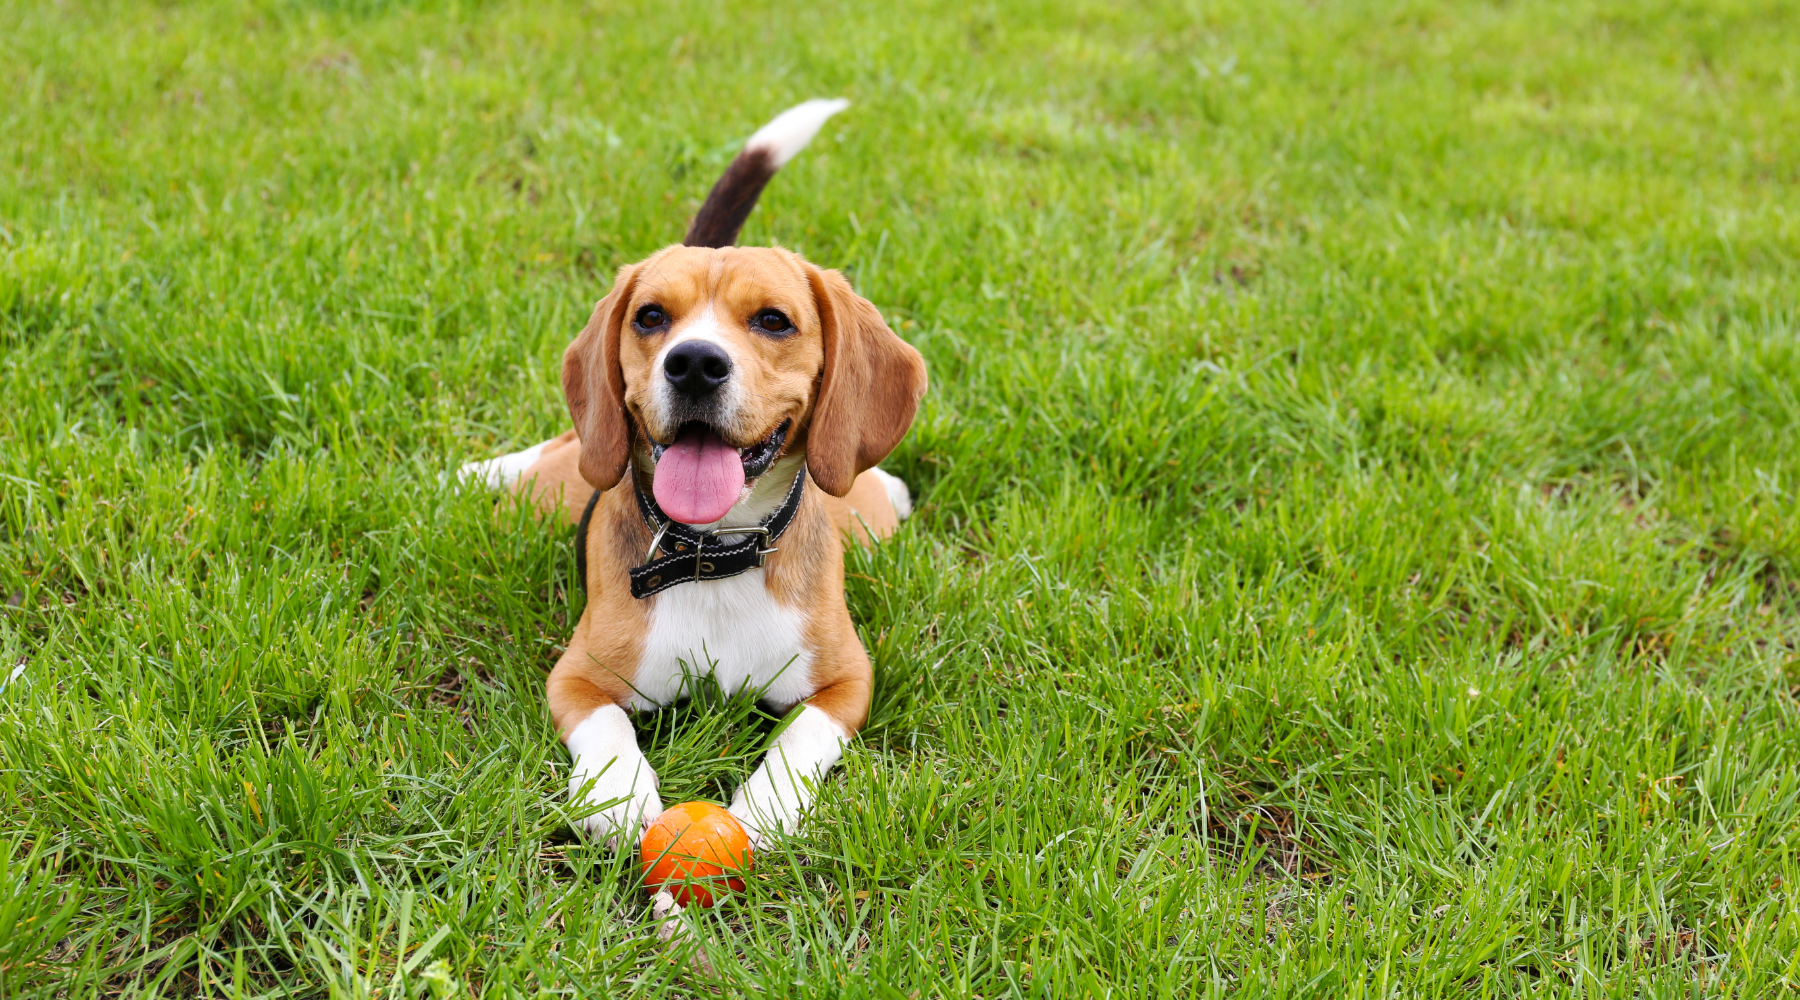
<point>612,777</point>
<point>624,820</point>
<point>773,798</point>
<point>759,837</point>
<point>762,814</point>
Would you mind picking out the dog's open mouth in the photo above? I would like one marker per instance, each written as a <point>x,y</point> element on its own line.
<point>699,476</point>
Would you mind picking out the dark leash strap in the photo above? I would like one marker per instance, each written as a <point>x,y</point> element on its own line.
<point>689,553</point>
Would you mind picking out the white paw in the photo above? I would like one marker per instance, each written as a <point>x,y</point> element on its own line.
<point>626,818</point>
<point>499,473</point>
<point>768,805</point>
<point>747,816</point>
<point>611,773</point>
<point>774,797</point>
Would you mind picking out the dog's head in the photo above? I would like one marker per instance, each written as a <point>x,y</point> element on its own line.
<point>709,364</point>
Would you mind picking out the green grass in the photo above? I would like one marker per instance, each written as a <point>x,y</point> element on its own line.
<point>1358,550</point>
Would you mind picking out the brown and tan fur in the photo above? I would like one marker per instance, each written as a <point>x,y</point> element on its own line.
<point>847,383</point>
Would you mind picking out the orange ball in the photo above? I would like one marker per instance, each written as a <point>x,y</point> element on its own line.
<point>694,850</point>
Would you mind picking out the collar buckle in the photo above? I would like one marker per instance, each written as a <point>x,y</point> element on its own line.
<point>762,554</point>
<point>656,541</point>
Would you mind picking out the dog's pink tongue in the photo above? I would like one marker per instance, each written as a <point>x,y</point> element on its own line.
<point>698,477</point>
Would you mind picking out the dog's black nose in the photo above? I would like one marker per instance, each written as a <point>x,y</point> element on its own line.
<point>696,368</point>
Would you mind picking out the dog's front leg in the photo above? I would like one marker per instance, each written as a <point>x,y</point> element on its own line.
<point>609,769</point>
<point>784,785</point>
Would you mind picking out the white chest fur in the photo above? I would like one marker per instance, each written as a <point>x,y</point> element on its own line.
<point>733,629</point>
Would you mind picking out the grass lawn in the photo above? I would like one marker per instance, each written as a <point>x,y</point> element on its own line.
<point>1358,550</point>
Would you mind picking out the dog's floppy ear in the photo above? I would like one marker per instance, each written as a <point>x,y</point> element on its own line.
<point>594,387</point>
<point>869,387</point>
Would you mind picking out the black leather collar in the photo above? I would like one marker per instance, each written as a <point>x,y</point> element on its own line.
<point>692,554</point>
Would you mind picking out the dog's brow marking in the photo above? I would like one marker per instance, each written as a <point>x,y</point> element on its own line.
<point>702,327</point>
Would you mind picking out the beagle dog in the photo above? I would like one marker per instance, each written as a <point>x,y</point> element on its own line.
<point>729,407</point>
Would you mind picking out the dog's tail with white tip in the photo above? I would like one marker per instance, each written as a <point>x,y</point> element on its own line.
<point>732,198</point>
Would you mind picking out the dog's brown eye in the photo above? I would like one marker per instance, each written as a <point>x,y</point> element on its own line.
<point>772,321</point>
<point>650,317</point>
